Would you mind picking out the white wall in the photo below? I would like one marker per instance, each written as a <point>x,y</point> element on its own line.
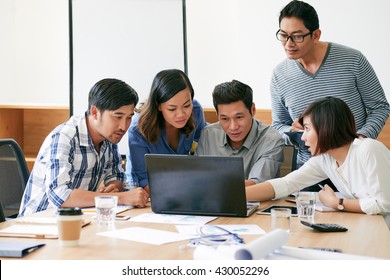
<point>235,39</point>
<point>227,39</point>
<point>34,52</point>
<point>128,40</point>
<point>7,55</point>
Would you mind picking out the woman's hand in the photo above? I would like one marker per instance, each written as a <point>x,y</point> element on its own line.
<point>328,197</point>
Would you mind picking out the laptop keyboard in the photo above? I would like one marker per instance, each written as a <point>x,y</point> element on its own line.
<point>251,207</point>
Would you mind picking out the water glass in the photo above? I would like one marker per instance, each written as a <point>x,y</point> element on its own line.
<point>306,204</point>
<point>280,218</point>
<point>106,209</point>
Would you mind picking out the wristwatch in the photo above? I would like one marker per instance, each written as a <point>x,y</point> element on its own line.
<point>341,204</point>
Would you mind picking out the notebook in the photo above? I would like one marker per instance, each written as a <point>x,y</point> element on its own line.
<point>198,185</point>
<point>35,227</point>
<point>18,249</point>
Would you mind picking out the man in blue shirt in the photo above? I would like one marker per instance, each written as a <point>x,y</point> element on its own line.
<point>77,156</point>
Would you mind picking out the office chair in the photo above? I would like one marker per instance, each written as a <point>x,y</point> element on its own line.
<point>290,160</point>
<point>2,217</point>
<point>14,174</point>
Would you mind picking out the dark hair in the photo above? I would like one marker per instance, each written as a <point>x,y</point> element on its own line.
<point>233,91</point>
<point>333,121</point>
<point>166,85</point>
<point>303,11</point>
<point>111,94</point>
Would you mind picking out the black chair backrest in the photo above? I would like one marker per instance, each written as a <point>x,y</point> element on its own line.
<point>14,174</point>
<point>2,217</point>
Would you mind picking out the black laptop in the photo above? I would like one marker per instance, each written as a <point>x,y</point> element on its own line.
<point>197,185</point>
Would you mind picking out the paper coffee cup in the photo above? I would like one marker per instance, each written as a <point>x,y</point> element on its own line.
<point>69,221</point>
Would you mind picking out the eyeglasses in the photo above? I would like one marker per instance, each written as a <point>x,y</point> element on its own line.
<point>215,236</point>
<point>296,38</point>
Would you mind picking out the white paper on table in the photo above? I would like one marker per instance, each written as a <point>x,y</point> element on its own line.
<point>172,219</point>
<point>237,229</point>
<point>145,235</point>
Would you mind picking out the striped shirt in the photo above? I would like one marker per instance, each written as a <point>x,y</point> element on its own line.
<point>68,160</point>
<point>344,73</point>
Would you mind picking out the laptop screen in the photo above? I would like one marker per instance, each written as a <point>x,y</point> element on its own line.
<point>196,185</point>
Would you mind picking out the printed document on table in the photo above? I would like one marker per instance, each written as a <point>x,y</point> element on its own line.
<point>145,235</point>
<point>244,229</point>
<point>172,219</point>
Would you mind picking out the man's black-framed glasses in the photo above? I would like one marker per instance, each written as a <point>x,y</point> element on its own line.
<point>296,38</point>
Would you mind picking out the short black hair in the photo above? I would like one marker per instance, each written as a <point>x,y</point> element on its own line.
<point>233,91</point>
<point>111,94</point>
<point>333,121</point>
<point>303,11</point>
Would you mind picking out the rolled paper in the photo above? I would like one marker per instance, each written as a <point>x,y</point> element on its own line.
<point>262,246</point>
<point>257,249</point>
<point>222,252</point>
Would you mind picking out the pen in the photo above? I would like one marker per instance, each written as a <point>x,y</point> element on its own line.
<point>90,210</point>
<point>323,249</point>
<point>321,186</point>
<point>291,200</point>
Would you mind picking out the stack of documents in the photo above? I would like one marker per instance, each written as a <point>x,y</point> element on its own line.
<point>34,227</point>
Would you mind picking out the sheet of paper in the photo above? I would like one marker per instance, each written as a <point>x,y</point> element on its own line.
<point>193,230</point>
<point>145,235</point>
<point>172,219</point>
